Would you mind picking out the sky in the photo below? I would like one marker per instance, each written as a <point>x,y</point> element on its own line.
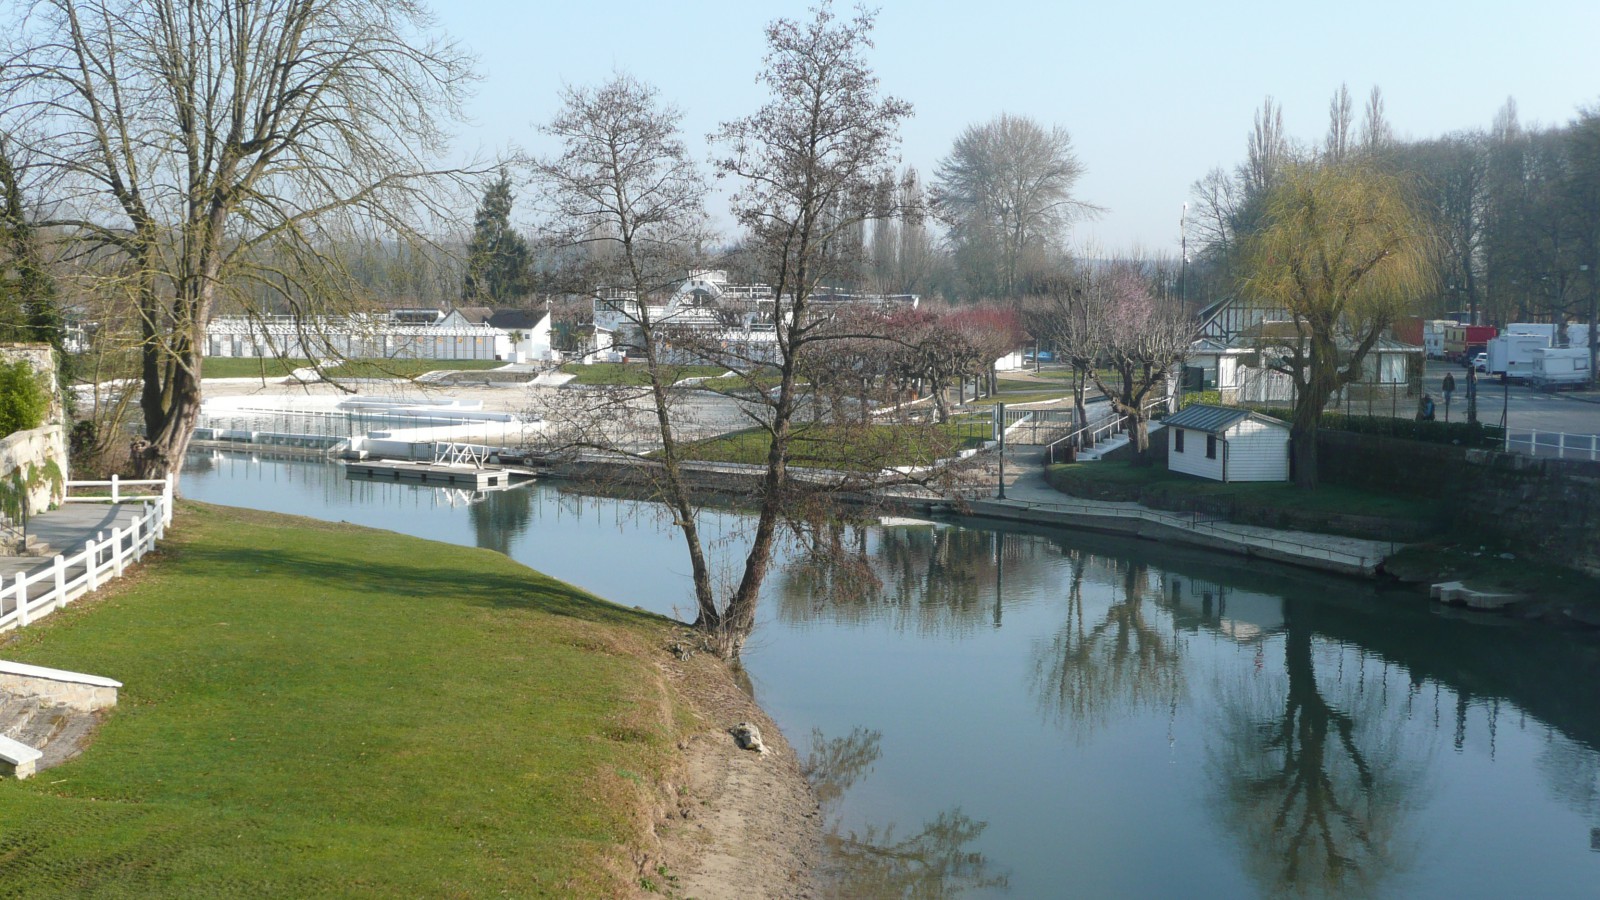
<point>1154,94</point>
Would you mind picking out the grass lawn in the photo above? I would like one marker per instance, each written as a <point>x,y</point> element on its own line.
<point>250,367</point>
<point>631,374</point>
<point>1158,487</point>
<point>322,710</point>
<point>409,368</point>
<point>855,449</point>
<point>268,367</point>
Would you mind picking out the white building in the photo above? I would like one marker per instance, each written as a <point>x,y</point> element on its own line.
<point>739,318</point>
<point>474,333</point>
<point>1227,444</point>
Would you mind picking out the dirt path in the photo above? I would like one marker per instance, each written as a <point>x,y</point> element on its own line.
<point>746,823</point>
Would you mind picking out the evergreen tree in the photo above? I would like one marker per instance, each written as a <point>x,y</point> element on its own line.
<point>497,257</point>
<point>29,311</point>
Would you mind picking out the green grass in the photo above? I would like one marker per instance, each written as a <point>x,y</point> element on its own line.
<point>1266,503</point>
<point>268,367</point>
<point>631,374</point>
<point>409,368</point>
<point>323,710</point>
<point>249,367</point>
<point>853,449</point>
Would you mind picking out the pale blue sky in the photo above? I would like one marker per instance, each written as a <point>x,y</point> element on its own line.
<point>1153,93</point>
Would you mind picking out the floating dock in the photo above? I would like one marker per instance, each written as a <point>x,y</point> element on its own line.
<point>480,478</point>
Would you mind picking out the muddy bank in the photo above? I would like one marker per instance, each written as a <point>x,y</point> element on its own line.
<point>733,823</point>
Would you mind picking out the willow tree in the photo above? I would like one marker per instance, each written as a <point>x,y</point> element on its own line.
<point>212,152</point>
<point>1344,252</point>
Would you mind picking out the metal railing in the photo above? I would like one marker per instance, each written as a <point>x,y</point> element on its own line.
<point>1093,432</point>
<point>33,595</point>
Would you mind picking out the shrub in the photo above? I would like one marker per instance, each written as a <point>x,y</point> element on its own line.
<point>1208,398</point>
<point>24,398</point>
<point>1477,434</point>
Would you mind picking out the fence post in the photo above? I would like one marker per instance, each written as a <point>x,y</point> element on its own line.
<point>116,552</point>
<point>116,496</point>
<point>90,563</point>
<point>1561,445</point>
<point>61,580</point>
<point>166,503</point>
<point>22,600</point>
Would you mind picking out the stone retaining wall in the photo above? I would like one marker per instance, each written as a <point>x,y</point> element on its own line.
<point>1547,508</point>
<point>76,690</point>
<point>34,463</point>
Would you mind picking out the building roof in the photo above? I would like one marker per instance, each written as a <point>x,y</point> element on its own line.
<point>516,318</point>
<point>1215,419</point>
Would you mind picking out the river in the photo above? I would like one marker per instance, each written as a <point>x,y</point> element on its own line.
<point>1000,712</point>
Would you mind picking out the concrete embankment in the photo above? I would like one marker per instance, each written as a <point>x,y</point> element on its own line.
<point>1031,501</point>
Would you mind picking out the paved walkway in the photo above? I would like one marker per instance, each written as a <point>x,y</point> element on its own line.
<point>1029,498</point>
<point>65,531</point>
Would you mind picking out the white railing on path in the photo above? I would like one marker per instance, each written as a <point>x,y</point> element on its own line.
<point>31,596</point>
<point>1557,444</point>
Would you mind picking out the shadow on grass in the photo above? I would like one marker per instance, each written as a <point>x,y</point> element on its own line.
<point>536,591</point>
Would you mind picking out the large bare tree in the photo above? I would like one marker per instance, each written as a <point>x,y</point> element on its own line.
<point>1005,191</point>
<point>805,166</point>
<point>625,184</point>
<point>213,150</point>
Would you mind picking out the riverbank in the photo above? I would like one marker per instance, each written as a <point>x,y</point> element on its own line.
<point>315,708</point>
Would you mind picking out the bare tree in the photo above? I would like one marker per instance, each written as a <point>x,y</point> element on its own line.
<point>1341,126</point>
<point>625,181</point>
<point>1268,150</point>
<point>1124,333</point>
<point>1005,191</point>
<point>1376,135</point>
<point>805,166</point>
<point>214,148</point>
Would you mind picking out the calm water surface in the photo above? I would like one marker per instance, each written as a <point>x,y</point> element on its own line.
<point>1045,713</point>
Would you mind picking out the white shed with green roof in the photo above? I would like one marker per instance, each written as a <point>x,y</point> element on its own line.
<point>1226,443</point>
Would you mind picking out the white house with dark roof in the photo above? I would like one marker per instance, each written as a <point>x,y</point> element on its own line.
<point>1226,443</point>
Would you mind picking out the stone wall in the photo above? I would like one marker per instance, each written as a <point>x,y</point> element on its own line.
<point>33,464</point>
<point>1546,508</point>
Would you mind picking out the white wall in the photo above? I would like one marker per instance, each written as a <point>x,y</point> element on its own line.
<point>1193,460</point>
<point>1250,451</point>
<point>1258,452</point>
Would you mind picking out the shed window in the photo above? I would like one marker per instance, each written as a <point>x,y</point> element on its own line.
<point>1211,446</point>
<point>1177,440</point>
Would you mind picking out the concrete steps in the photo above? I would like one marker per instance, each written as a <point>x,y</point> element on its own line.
<point>1454,593</point>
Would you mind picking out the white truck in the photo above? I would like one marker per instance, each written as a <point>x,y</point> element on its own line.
<point>1511,355</point>
<point>1558,368</point>
<point>1433,337</point>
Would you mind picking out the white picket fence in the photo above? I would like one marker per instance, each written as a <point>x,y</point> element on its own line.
<point>32,596</point>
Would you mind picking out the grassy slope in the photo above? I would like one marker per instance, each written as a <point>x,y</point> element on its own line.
<point>851,449</point>
<point>316,709</point>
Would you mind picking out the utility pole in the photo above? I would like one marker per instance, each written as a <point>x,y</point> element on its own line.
<point>1183,266</point>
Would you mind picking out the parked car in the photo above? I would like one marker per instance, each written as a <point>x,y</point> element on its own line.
<point>1481,362</point>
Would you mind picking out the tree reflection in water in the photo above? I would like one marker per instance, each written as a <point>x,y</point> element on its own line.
<point>500,517</point>
<point>1101,664</point>
<point>932,863</point>
<point>1315,777</point>
<point>926,579</point>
